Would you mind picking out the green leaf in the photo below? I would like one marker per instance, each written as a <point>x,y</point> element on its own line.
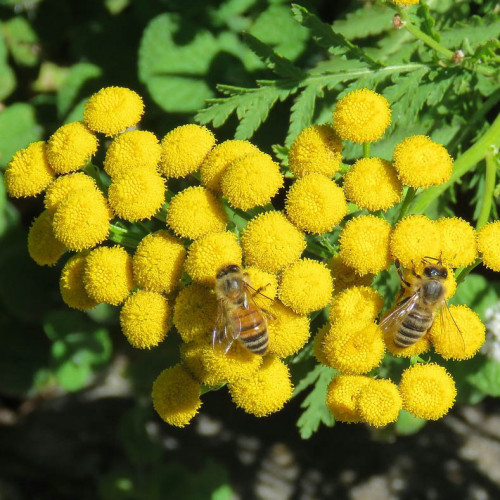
<point>477,31</point>
<point>477,292</point>
<point>302,112</point>
<point>407,424</point>
<point>326,37</point>
<point>427,22</point>
<point>275,62</point>
<point>316,411</point>
<point>487,378</point>
<point>21,40</point>
<point>369,20</point>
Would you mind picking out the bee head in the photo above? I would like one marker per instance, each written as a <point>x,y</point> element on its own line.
<point>435,272</point>
<point>223,271</point>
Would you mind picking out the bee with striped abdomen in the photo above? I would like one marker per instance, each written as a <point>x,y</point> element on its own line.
<point>239,317</point>
<point>423,296</point>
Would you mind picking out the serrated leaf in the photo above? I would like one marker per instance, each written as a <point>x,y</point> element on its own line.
<point>21,40</point>
<point>427,22</point>
<point>316,411</point>
<point>477,31</point>
<point>326,37</point>
<point>18,128</point>
<point>369,20</point>
<point>275,62</point>
<point>302,112</point>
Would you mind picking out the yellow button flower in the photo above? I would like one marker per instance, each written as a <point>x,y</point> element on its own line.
<point>43,246</point>
<point>364,244</point>
<point>131,151</point>
<point>112,110</point>
<point>357,304</point>
<point>184,149</point>
<point>342,397</point>
<point>176,396</point>
<point>428,391</point>
<point>316,149</point>
<point>70,147</point>
<point>421,162</point>
<point>488,242</point>
<point>194,212</point>
<point>158,262</point>
<point>362,116</point>
<point>379,402</point>
<point>457,343</point>
<point>220,158</point>
<point>62,188</point>
<point>306,286</point>
<point>458,241</point>
<point>353,349</point>
<point>195,313</point>
<point>137,195</point>
<point>211,366</point>
<point>108,275</point>
<point>71,284</point>
<point>315,204</point>
<point>266,392</point>
<point>414,238</point>
<point>318,345</point>
<point>144,319</point>
<point>266,283</point>
<point>29,172</point>
<point>82,220</point>
<point>372,183</point>
<point>345,277</point>
<point>288,331</point>
<point>271,242</point>
<point>251,181</point>
<point>211,252</point>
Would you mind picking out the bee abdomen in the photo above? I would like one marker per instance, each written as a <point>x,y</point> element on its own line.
<point>413,328</point>
<point>257,343</point>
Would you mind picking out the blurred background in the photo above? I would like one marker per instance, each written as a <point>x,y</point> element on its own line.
<point>76,419</point>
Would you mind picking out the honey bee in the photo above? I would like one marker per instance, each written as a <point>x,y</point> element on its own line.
<point>423,297</point>
<point>239,317</point>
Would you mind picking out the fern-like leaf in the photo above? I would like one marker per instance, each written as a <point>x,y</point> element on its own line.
<point>428,22</point>
<point>302,112</point>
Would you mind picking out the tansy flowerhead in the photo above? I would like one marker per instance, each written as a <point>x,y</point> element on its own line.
<point>379,402</point>
<point>364,244</point>
<point>251,181</point>
<point>362,116</point>
<point>108,275</point>
<point>158,262</point>
<point>71,284</point>
<point>458,241</point>
<point>421,162</point>
<point>458,334</point>
<point>112,110</point>
<point>266,392</point>
<point>220,158</point>
<point>61,188</point>
<point>428,391</point>
<point>194,212</point>
<point>137,195</point>
<point>315,204</point>
<point>353,349</point>
<point>266,283</point>
<point>184,149</point>
<point>288,331</point>
<point>271,242</point>
<point>144,319</point>
<point>345,277</point>
<point>43,246</point>
<point>176,396</point>
<point>29,172</point>
<point>342,397</point>
<point>317,149</point>
<point>488,242</point>
<point>209,254</point>
<point>306,286</point>
<point>195,312</point>
<point>82,220</point>
<point>414,238</point>
<point>70,147</point>
<point>131,151</point>
<point>372,183</point>
<point>318,348</point>
<point>357,304</point>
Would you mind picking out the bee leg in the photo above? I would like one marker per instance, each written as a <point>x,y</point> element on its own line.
<point>414,271</point>
<point>269,314</point>
<point>400,273</point>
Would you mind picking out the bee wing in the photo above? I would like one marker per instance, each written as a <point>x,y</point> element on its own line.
<point>445,311</point>
<point>253,293</point>
<point>225,331</point>
<point>394,319</point>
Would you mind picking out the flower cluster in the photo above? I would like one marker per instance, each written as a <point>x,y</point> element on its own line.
<point>153,249</point>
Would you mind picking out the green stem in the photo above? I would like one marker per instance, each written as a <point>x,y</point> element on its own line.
<point>462,273</point>
<point>93,171</point>
<point>410,194</point>
<point>489,187</point>
<point>366,149</point>
<point>471,157</point>
<point>122,236</point>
